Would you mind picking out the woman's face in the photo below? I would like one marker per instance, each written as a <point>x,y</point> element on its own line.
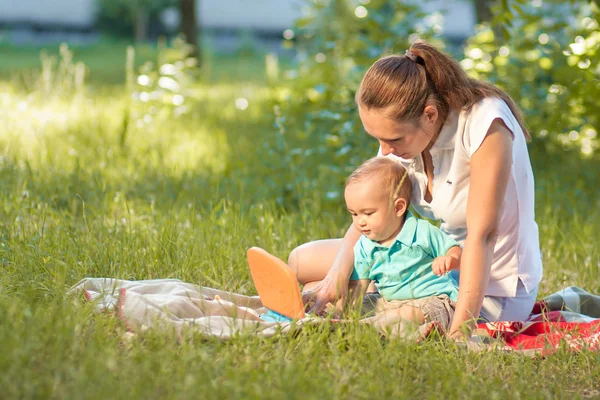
<point>403,139</point>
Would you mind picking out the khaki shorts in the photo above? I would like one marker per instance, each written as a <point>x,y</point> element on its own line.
<point>435,308</point>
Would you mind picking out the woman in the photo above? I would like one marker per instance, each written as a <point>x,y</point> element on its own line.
<point>464,144</point>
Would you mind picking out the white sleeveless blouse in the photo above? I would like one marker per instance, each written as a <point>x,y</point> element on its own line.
<point>517,251</point>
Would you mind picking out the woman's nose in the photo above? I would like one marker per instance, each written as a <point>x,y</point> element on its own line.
<point>386,149</point>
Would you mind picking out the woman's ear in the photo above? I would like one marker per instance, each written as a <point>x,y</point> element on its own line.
<point>430,114</point>
<point>400,205</point>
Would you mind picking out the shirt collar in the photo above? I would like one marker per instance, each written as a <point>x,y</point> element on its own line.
<point>406,235</point>
<point>445,140</point>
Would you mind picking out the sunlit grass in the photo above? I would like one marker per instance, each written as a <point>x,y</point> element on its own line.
<point>108,131</point>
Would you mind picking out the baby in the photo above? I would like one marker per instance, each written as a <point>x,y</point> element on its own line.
<point>406,258</point>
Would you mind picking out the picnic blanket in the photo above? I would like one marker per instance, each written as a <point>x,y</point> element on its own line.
<point>570,317</point>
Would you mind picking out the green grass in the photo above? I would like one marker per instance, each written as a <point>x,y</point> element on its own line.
<point>184,198</point>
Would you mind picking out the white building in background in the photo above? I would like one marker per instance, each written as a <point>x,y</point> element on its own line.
<point>266,15</point>
<point>77,13</point>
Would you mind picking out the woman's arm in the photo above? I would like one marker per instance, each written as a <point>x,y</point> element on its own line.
<point>335,284</point>
<point>490,171</point>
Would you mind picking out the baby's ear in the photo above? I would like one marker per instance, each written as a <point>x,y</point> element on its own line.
<point>400,206</point>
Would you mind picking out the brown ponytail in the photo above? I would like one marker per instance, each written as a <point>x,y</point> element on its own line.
<point>405,85</point>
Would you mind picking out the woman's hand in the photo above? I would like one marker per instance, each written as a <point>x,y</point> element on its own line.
<point>335,284</point>
<point>334,287</point>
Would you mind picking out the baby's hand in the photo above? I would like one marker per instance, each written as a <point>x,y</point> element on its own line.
<point>444,264</point>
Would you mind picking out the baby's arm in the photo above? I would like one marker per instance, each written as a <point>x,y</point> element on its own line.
<point>444,264</point>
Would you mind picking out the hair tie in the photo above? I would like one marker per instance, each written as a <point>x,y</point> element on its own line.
<point>414,58</point>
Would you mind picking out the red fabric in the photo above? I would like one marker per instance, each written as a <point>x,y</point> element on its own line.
<point>546,332</point>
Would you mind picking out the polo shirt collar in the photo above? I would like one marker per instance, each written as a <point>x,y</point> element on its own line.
<point>406,235</point>
<point>445,140</point>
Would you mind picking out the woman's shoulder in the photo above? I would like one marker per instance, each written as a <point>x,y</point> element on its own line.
<point>486,107</point>
<point>479,118</point>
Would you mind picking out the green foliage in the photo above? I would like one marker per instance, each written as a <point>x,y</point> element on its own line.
<point>112,7</point>
<point>336,40</point>
<point>164,85</point>
<point>550,67</point>
<point>120,17</point>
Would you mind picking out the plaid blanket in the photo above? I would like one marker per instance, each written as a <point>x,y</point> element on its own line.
<point>571,299</point>
<point>569,318</point>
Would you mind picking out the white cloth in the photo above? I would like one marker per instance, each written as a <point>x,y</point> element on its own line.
<point>517,252</point>
<point>177,305</point>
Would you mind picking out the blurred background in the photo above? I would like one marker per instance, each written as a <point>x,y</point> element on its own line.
<point>275,78</point>
<point>84,21</point>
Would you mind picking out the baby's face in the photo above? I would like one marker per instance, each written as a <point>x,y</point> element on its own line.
<point>372,211</point>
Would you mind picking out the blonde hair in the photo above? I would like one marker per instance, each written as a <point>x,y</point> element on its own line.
<point>391,175</point>
<point>406,84</point>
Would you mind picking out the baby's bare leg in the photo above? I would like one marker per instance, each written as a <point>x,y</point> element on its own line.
<point>311,262</point>
<point>399,322</point>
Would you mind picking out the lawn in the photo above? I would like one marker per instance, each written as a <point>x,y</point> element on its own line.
<point>184,197</point>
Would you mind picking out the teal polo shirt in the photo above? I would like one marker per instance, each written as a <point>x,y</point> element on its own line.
<point>403,271</point>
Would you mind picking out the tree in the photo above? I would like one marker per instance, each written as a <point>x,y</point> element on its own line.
<point>138,11</point>
<point>189,25</point>
<point>483,10</point>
